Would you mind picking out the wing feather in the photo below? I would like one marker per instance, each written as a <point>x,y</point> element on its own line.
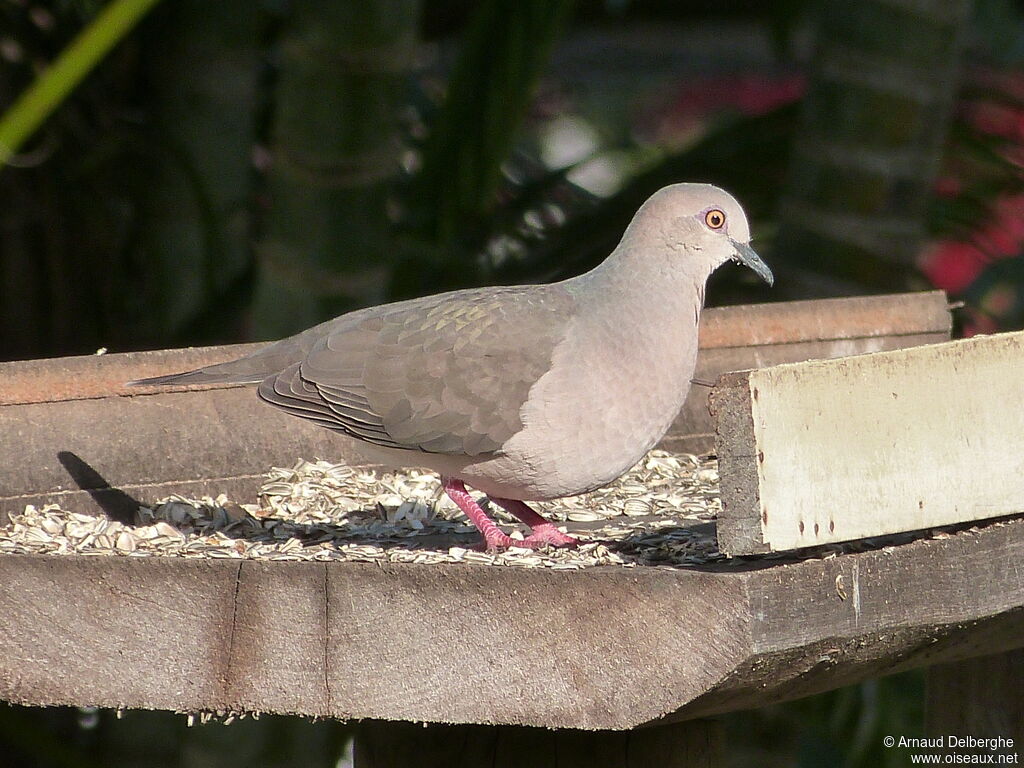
<point>443,374</point>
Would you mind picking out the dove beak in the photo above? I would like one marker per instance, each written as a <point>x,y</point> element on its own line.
<point>746,255</point>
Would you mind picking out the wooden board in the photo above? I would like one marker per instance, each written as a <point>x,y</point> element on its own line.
<point>75,435</point>
<point>834,450</point>
<point>602,648</point>
<point>759,335</point>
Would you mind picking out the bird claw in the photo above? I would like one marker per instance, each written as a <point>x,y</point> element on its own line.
<point>547,533</point>
<point>540,536</point>
<point>542,532</point>
<point>497,543</point>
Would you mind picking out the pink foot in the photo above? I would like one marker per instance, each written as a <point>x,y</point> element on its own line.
<point>541,531</point>
<point>546,533</point>
<point>494,537</point>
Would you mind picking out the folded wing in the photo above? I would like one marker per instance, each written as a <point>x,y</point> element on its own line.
<point>444,374</point>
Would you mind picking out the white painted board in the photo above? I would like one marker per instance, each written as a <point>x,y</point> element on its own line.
<point>873,444</point>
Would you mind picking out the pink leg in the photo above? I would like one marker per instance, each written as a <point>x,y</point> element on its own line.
<point>541,531</point>
<point>494,537</point>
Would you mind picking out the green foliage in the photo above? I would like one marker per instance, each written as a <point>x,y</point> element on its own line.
<point>57,82</point>
<point>65,737</point>
<point>982,162</point>
<point>451,205</point>
<point>592,226</point>
<point>501,57</point>
<point>131,210</point>
<point>844,728</point>
<point>998,292</point>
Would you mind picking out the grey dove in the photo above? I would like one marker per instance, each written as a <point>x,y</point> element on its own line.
<point>526,393</point>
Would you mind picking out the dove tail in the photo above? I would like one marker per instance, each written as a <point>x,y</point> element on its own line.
<point>208,375</point>
<point>251,369</point>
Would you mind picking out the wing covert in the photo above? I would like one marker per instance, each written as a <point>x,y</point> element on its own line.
<point>444,374</point>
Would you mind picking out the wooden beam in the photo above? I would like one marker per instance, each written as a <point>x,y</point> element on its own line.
<point>602,648</point>
<point>848,318</point>
<point>834,450</point>
<point>75,435</point>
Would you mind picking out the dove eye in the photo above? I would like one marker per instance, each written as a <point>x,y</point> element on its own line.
<point>714,218</point>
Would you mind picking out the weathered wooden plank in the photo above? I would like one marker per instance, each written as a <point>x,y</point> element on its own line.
<point>83,377</point>
<point>604,648</point>
<point>826,623</point>
<point>693,744</point>
<point>70,424</point>
<point>278,651</point>
<point>102,629</point>
<point>794,322</point>
<point>834,450</point>
<point>218,440</point>
<point>694,429</point>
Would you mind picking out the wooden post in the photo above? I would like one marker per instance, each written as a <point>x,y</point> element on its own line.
<point>981,698</point>
<point>690,744</point>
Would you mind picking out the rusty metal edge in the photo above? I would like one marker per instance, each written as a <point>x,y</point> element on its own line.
<point>826,319</point>
<point>83,377</point>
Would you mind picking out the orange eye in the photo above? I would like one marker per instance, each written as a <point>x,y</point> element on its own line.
<point>714,218</point>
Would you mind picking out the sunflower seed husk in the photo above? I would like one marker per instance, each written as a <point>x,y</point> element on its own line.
<point>314,510</point>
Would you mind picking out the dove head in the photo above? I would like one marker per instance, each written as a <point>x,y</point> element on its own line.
<point>700,223</point>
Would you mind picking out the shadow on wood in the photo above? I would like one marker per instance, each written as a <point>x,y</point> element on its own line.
<point>115,503</point>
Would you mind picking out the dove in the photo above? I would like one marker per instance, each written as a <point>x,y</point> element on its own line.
<point>524,393</point>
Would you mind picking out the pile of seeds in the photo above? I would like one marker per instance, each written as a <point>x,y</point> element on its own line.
<point>321,511</point>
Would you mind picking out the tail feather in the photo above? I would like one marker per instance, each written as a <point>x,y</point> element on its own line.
<point>253,368</point>
<point>200,376</point>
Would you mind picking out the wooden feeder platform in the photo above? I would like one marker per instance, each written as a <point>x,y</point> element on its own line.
<point>533,666</point>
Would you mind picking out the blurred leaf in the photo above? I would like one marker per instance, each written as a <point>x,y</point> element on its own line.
<point>997,25</point>
<point>501,57</point>
<point>57,82</point>
<point>727,156</point>
<point>986,175</point>
<point>998,292</point>
<point>543,227</point>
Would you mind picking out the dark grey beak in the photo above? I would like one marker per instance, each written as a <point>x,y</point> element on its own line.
<point>746,255</point>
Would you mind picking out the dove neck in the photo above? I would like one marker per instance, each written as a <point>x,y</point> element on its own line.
<point>660,286</point>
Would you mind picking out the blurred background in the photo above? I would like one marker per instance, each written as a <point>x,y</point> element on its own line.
<point>186,172</point>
